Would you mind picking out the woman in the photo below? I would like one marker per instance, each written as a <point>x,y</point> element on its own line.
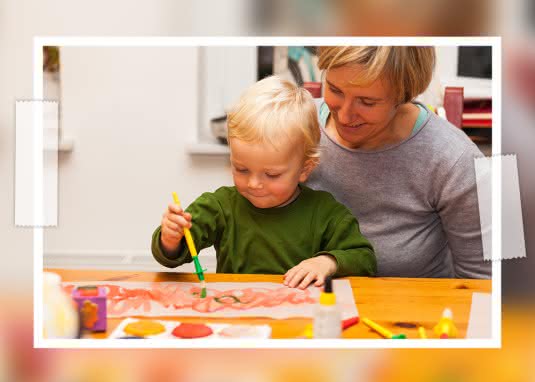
<point>406,174</point>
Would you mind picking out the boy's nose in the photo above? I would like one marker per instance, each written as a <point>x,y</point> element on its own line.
<point>254,182</point>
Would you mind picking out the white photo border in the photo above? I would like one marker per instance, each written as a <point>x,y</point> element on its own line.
<point>493,342</point>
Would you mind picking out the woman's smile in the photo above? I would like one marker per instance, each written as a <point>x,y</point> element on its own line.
<point>352,126</point>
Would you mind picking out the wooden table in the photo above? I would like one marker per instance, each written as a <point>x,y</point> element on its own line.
<point>398,304</point>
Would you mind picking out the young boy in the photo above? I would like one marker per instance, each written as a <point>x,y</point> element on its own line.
<point>269,222</point>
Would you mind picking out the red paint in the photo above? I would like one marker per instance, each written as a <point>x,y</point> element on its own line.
<point>192,331</point>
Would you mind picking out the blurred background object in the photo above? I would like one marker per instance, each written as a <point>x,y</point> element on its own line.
<point>375,17</point>
<point>518,120</point>
<point>21,20</point>
<point>51,59</point>
<point>60,315</point>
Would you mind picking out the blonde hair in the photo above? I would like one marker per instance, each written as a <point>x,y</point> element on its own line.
<point>408,69</point>
<point>273,111</point>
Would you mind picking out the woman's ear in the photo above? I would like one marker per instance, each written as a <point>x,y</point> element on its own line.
<point>310,164</point>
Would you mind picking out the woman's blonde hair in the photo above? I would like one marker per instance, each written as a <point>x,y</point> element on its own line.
<point>274,111</point>
<point>408,69</point>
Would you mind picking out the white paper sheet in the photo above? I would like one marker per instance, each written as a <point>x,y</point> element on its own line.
<point>224,299</point>
<point>31,117</point>
<point>499,175</point>
<point>480,322</point>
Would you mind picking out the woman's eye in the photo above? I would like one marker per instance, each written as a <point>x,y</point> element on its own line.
<point>368,103</point>
<point>334,90</point>
<point>273,175</point>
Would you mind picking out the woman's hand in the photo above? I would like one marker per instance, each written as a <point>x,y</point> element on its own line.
<point>174,220</point>
<point>315,268</point>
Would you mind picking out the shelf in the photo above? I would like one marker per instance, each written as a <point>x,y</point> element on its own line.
<point>207,148</point>
<point>476,127</point>
<point>66,145</point>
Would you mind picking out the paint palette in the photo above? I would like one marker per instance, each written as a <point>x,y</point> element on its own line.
<point>177,330</point>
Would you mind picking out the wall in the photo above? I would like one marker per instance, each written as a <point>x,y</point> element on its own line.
<point>20,21</point>
<point>446,71</point>
<point>15,243</point>
<point>131,113</point>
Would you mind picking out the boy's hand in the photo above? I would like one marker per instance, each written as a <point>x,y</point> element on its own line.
<point>315,268</point>
<point>174,220</point>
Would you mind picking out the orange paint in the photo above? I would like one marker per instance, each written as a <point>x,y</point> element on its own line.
<point>122,301</point>
<point>89,314</point>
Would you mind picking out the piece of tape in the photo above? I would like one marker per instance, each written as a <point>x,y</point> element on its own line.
<point>36,163</point>
<point>498,192</point>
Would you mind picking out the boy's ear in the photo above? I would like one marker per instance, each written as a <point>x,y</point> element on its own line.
<point>310,164</point>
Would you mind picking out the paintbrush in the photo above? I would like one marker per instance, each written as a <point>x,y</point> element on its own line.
<point>191,245</point>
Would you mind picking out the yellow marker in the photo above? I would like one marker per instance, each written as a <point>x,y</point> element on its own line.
<point>445,327</point>
<point>382,331</point>
<point>421,331</point>
<point>193,251</point>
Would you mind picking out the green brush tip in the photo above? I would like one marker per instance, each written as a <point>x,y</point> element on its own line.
<point>203,289</point>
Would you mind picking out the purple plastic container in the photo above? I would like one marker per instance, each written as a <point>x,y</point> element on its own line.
<point>91,301</point>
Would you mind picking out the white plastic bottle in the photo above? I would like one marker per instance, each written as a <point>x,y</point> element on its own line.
<point>327,317</point>
<point>60,316</point>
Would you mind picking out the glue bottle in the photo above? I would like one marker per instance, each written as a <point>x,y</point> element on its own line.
<point>60,316</point>
<point>327,318</point>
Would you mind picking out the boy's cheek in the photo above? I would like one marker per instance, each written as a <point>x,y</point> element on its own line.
<point>239,182</point>
<point>282,188</point>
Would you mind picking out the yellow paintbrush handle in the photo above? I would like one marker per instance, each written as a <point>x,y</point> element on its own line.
<point>189,241</point>
<point>187,233</point>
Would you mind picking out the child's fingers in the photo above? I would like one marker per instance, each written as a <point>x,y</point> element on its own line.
<point>297,277</point>
<point>169,233</point>
<point>183,223</point>
<point>290,275</point>
<point>179,220</point>
<point>171,225</point>
<point>320,281</point>
<point>307,280</point>
<point>173,208</point>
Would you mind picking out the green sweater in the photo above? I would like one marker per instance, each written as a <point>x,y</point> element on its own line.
<point>273,240</point>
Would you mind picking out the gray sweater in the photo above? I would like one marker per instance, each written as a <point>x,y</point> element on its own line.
<point>415,201</point>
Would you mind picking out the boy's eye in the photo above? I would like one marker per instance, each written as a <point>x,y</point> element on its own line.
<point>242,170</point>
<point>273,175</point>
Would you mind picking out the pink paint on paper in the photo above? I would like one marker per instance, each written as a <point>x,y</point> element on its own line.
<point>126,299</point>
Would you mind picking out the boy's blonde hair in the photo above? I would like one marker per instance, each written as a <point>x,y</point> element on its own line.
<point>274,111</point>
<point>408,69</point>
